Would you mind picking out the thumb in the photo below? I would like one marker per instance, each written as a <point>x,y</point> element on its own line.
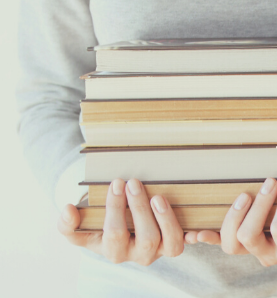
<point>209,237</point>
<point>69,220</point>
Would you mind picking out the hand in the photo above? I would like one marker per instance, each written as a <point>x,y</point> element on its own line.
<point>156,235</point>
<point>242,229</point>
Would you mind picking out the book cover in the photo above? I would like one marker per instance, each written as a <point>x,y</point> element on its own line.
<point>190,43</point>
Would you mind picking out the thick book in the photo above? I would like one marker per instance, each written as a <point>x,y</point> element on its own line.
<point>178,109</point>
<point>185,192</point>
<point>189,55</point>
<point>189,217</point>
<point>168,163</point>
<point>163,133</point>
<point>115,85</point>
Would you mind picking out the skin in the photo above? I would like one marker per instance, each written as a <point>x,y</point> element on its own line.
<point>158,232</point>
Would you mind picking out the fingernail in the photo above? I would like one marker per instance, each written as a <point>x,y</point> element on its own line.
<point>66,216</point>
<point>118,187</point>
<point>267,186</point>
<point>241,201</point>
<point>134,187</point>
<point>159,204</point>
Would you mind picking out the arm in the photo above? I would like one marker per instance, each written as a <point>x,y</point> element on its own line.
<point>53,37</point>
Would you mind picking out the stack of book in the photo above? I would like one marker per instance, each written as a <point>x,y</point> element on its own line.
<point>194,120</point>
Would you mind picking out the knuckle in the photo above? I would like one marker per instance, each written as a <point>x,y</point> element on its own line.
<point>172,231</point>
<point>230,250</point>
<point>114,204</point>
<point>171,254</point>
<point>268,263</point>
<point>246,238</point>
<point>116,235</point>
<point>148,245</point>
<point>178,250</point>
<point>93,237</point>
<point>180,237</point>
<point>140,208</point>
<point>264,264</point>
<point>167,228</point>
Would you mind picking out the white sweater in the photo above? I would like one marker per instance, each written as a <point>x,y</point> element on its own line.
<point>53,37</point>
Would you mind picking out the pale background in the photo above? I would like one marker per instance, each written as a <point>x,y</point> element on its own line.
<point>35,260</point>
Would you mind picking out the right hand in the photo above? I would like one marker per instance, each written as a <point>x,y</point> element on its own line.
<point>156,235</point>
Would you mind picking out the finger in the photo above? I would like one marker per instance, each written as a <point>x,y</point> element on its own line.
<point>273,228</point>
<point>172,233</point>
<point>250,233</point>
<point>232,221</point>
<point>147,232</point>
<point>209,237</point>
<point>116,235</point>
<point>69,221</point>
<point>191,237</point>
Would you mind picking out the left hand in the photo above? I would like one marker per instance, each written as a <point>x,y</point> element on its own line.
<point>242,229</point>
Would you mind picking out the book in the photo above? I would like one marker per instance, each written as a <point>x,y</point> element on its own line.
<point>163,133</point>
<point>169,163</point>
<point>115,85</point>
<point>168,109</point>
<point>189,217</point>
<point>189,55</point>
<point>185,192</point>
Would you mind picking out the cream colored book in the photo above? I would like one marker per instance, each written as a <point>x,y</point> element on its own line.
<point>173,163</point>
<point>108,85</point>
<point>165,133</point>
<point>189,55</point>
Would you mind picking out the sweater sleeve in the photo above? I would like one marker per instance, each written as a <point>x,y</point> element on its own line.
<point>53,38</point>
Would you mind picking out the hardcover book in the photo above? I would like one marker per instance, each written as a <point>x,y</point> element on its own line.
<point>169,163</point>
<point>189,55</point>
<point>185,192</point>
<point>115,85</point>
<point>189,217</point>
<point>182,109</point>
<point>166,133</point>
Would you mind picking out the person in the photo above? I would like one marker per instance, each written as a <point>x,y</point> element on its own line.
<point>240,261</point>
